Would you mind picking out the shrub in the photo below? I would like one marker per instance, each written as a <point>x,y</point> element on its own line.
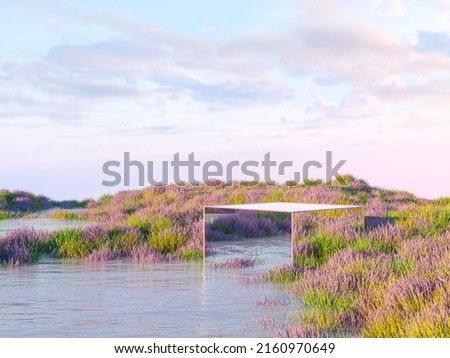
<point>168,240</point>
<point>64,215</point>
<point>68,243</point>
<point>317,249</point>
<point>22,246</point>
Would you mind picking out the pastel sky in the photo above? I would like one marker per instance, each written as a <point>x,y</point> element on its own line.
<point>82,82</point>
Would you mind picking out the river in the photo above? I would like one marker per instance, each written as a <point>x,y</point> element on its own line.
<point>123,298</point>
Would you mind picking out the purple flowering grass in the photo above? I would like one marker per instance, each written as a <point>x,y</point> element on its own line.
<point>388,281</point>
<point>234,263</point>
<point>272,301</point>
<point>104,254</point>
<point>20,246</point>
<point>145,254</point>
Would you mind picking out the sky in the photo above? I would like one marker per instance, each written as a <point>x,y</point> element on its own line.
<point>83,82</point>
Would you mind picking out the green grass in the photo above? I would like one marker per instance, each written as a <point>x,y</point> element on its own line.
<point>64,215</point>
<point>282,274</point>
<point>323,320</point>
<point>381,195</point>
<point>402,266</point>
<point>238,198</point>
<point>37,249</point>
<point>4,215</point>
<point>167,241</point>
<point>362,198</point>
<point>424,220</point>
<point>159,224</point>
<point>320,248</point>
<point>118,242</point>
<point>361,244</point>
<point>443,201</point>
<point>440,220</point>
<point>142,224</point>
<point>418,326</point>
<point>321,299</point>
<point>191,255</point>
<point>387,327</point>
<point>67,243</point>
<point>274,197</point>
<point>105,199</point>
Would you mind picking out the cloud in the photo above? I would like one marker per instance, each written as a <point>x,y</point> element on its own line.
<point>139,130</point>
<point>139,66</point>
<point>438,42</point>
<point>421,121</point>
<point>394,8</point>
<point>327,80</point>
<point>161,129</point>
<point>96,89</point>
<point>12,115</point>
<point>433,93</point>
<point>145,64</point>
<point>356,57</point>
<point>355,105</point>
<point>388,7</point>
<point>231,92</point>
<point>19,98</point>
<point>442,3</point>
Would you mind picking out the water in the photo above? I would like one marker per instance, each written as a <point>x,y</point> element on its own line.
<point>41,223</point>
<point>77,298</point>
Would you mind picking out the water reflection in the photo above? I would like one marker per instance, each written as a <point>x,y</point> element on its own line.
<point>39,224</point>
<point>76,298</point>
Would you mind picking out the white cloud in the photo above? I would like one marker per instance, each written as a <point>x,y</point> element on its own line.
<point>356,105</point>
<point>443,18</point>
<point>387,7</point>
<point>419,120</point>
<point>141,66</point>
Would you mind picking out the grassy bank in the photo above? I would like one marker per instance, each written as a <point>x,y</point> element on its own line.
<point>391,281</point>
<point>18,203</point>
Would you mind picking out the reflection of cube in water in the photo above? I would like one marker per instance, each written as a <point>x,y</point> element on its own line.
<point>265,252</point>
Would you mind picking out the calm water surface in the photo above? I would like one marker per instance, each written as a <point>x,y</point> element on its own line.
<point>77,298</point>
<point>39,224</point>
